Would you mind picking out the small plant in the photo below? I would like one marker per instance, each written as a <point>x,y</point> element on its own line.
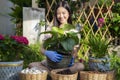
<point>115,65</point>
<point>11,47</point>
<point>99,59</point>
<point>62,40</point>
<point>98,46</point>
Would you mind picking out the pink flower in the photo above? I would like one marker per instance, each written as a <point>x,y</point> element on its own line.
<point>12,46</point>
<point>20,39</point>
<point>1,37</point>
<point>101,22</point>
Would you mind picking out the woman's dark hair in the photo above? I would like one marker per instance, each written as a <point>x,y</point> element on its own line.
<point>67,7</point>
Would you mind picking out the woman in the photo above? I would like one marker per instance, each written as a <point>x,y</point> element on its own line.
<point>62,16</point>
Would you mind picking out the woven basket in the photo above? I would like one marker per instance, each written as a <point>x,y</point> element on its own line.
<point>40,76</point>
<point>56,76</point>
<point>92,75</point>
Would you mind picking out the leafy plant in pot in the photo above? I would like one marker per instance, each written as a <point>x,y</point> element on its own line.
<point>98,53</point>
<point>11,50</point>
<point>63,41</point>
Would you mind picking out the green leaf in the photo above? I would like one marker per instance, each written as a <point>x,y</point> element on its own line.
<point>68,27</point>
<point>68,44</point>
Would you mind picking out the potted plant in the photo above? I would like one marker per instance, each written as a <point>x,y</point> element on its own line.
<point>11,50</point>
<point>63,41</point>
<point>98,53</point>
<point>98,60</point>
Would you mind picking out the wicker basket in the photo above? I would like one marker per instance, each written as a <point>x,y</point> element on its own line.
<point>92,75</point>
<point>56,76</point>
<point>40,76</point>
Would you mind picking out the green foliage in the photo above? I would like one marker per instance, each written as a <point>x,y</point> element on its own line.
<point>41,3</point>
<point>32,54</point>
<point>98,46</point>
<point>12,46</point>
<point>12,50</point>
<point>115,25</point>
<point>115,65</point>
<point>115,21</point>
<point>17,13</point>
<point>106,3</point>
<point>63,39</point>
<point>116,8</point>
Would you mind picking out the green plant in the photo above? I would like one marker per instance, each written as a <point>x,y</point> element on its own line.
<point>12,47</point>
<point>115,65</point>
<point>63,39</point>
<point>32,54</point>
<point>115,21</point>
<point>98,46</point>
<point>17,13</point>
<point>105,3</point>
<point>115,26</point>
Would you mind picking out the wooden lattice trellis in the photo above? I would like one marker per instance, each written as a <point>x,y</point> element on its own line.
<point>88,10</point>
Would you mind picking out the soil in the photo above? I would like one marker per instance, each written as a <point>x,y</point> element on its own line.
<point>66,71</point>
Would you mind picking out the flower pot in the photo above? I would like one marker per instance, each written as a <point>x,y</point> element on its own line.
<point>28,76</point>
<point>62,64</point>
<point>56,76</point>
<point>95,75</point>
<point>99,64</point>
<point>10,70</point>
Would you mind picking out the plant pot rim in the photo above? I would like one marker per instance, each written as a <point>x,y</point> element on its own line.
<point>13,64</point>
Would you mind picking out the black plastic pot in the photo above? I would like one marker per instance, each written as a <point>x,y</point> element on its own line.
<point>62,64</point>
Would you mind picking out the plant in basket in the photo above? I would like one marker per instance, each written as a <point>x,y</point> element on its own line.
<point>98,53</point>
<point>11,52</point>
<point>63,41</point>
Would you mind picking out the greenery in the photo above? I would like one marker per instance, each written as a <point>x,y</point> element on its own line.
<point>12,46</point>
<point>115,65</point>
<point>17,13</point>
<point>116,8</point>
<point>98,46</point>
<point>115,21</point>
<point>32,54</point>
<point>63,39</point>
<point>106,3</point>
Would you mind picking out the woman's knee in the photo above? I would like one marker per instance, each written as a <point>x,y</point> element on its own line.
<point>80,66</point>
<point>77,67</point>
<point>34,64</point>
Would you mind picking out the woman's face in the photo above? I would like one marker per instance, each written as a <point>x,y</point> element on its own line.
<point>62,15</point>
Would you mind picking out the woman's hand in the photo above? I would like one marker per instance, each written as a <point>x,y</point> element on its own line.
<point>53,55</point>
